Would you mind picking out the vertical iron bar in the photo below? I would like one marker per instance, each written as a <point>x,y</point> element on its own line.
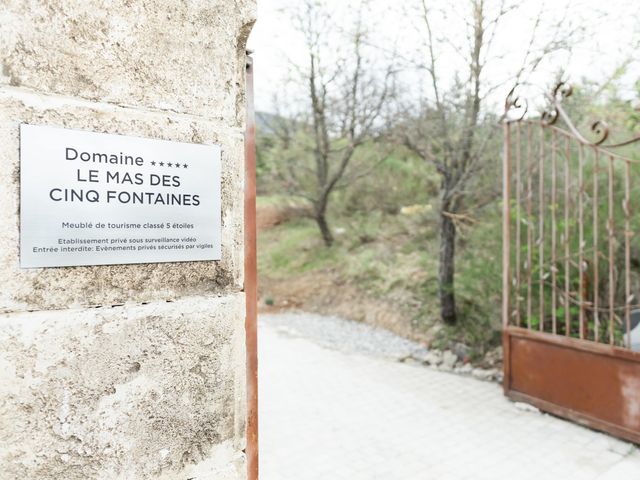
<point>567,263</point>
<point>611,240</point>
<point>553,231</point>
<point>627,251</point>
<point>596,273</point>
<point>541,226</point>
<point>506,225</point>
<point>530,225</point>
<point>581,268</point>
<point>518,232</point>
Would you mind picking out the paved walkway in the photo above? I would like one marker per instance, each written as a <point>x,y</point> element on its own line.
<point>332,415</point>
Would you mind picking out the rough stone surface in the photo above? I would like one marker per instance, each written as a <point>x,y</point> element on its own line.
<point>124,372</point>
<point>449,360</point>
<point>461,350</point>
<point>484,374</point>
<point>493,357</point>
<point>421,355</point>
<point>186,57</point>
<point>465,369</point>
<point>122,392</point>
<point>434,358</point>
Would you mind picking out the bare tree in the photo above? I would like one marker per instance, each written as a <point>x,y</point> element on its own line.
<point>344,95</point>
<point>450,131</point>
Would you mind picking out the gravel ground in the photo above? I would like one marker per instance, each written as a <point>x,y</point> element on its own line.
<point>344,335</point>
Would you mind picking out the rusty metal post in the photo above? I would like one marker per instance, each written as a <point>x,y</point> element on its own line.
<point>554,234</point>
<point>627,251</point>
<point>567,252</point>
<point>581,244</point>
<point>506,226</point>
<point>611,255</point>
<point>541,274</point>
<point>530,225</point>
<point>251,279</point>
<point>506,250</point>
<point>596,249</point>
<point>518,223</point>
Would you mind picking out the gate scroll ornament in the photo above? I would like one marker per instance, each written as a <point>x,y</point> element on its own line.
<point>571,267</point>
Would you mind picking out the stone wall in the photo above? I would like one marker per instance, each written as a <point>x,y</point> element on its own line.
<point>127,371</point>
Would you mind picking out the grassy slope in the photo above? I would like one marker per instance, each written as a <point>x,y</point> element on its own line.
<point>389,258</point>
<point>383,267</point>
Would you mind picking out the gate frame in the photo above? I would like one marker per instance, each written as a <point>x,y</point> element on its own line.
<point>251,278</point>
<point>537,345</point>
<point>578,379</point>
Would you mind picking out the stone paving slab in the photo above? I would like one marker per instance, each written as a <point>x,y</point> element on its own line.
<point>332,415</point>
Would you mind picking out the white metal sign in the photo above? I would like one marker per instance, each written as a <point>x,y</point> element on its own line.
<point>100,199</point>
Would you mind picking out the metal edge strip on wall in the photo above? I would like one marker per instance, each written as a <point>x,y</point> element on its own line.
<point>251,278</point>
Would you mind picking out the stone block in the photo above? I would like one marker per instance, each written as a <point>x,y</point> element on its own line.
<point>131,392</point>
<point>154,54</point>
<point>30,289</point>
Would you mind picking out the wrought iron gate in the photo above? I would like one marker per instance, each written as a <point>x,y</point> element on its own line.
<point>571,268</point>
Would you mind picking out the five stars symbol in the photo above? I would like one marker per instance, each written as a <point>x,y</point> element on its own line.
<point>169,164</point>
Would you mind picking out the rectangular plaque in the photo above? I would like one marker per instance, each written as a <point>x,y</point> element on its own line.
<point>101,199</point>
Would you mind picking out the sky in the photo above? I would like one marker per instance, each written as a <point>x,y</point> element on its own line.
<point>607,39</point>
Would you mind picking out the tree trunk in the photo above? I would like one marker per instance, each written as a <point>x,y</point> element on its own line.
<point>446,269</point>
<point>321,219</point>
